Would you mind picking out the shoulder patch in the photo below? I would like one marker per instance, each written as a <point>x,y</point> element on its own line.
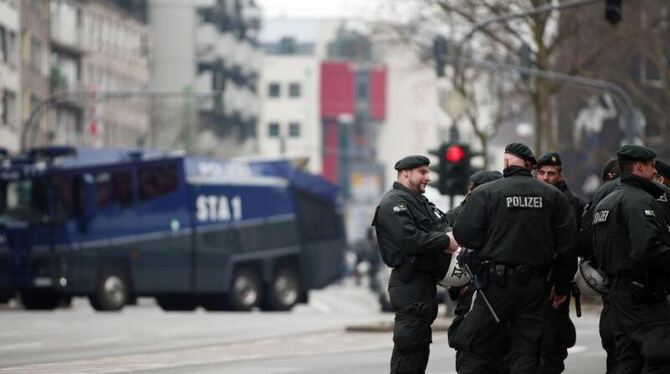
<point>649,213</point>
<point>401,207</point>
<point>600,216</point>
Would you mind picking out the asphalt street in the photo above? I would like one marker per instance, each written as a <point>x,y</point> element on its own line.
<point>310,339</point>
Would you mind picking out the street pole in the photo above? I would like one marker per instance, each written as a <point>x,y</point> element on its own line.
<point>506,17</point>
<point>631,118</point>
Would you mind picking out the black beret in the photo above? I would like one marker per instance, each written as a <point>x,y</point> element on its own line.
<point>609,166</point>
<point>635,152</point>
<point>482,177</point>
<point>663,169</point>
<point>411,162</point>
<point>549,158</point>
<point>522,151</point>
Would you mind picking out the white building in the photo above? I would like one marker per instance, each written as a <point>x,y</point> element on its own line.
<point>290,123</point>
<point>10,82</point>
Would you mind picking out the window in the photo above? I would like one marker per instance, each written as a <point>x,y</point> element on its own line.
<point>157,181</point>
<point>273,130</point>
<point>36,54</point>
<point>274,90</point>
<point>9,109</point>
<point>8,48</point>
<point>294,90</point>
<point>115,187</point>
<point>294,129</point>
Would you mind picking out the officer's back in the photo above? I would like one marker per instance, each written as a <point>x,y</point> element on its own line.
<point>518,215</point>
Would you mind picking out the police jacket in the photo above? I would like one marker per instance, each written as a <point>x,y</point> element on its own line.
<point>410,229</point>
<point>576,203</point>
<point>520,220</point>
<point>451,216</point>
<point>630,233</point>
<point>585,248</point>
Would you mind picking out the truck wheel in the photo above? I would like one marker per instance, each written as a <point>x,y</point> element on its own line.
<point>283,292</point>
<point>245,290</point>
<point>112,291</point>
<point>177,303</point>
<point>39,300</point>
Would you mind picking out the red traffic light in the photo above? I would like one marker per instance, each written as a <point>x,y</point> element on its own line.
<point>454,154</point>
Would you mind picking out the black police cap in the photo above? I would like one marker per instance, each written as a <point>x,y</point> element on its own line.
<point>522,151</point>
<point>549,158</point>
<point>411,162</point>
<point>482,177</point>
<point>635,152</point>
<point>663,169</point>
<point>609,166</point>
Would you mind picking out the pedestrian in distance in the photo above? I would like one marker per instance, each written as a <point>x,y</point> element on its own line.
<point>559,332</point>
<point>520,229</point>
<point>413,240</point>
<point>631,245</point>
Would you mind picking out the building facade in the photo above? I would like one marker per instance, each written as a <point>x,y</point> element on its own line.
<point>207,50</point>
<point>10,82</point>
<point>290,121</point>
<point>97,49</point>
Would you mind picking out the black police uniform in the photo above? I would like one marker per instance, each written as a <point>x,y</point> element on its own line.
<point>585,250</point>
<point>631,246</point>
<point>497,364</point>
<point>412,236</point>
<point>507,223</point>
<point>559,332</point>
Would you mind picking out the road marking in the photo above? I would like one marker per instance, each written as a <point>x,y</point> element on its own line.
<point>17,346</point>
<point>291,346</point>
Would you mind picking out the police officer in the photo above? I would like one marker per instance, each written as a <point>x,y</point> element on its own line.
<point>611,180</point>
<point>520,228</point>
<point>630,242</point>
<point>413,240</point>
<point>476,179</point>
<point>463,295</point>
<point>559,331</point>
<point>662,173</point>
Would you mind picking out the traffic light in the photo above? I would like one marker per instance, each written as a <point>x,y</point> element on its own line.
<point>613,12</point>
<point>453,168</point>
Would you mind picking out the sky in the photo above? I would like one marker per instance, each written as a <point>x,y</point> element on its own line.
<point>312,8</point>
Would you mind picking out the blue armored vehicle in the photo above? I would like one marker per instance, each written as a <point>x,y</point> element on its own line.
<point>114,225</point>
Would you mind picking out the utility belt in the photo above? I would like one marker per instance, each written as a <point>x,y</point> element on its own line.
<point>644,288</point>
<point>500,272</point>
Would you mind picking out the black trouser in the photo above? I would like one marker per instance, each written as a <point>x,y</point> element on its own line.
<point>519,304</point>
<point>606,328</point>
<point>497,362</point>
<point>558,335</point>
<point>641,334</point>
<point>415,310</point>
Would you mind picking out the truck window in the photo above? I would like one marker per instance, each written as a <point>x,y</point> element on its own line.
<point>157,181</point>
<point>25,199</point>
<point>114,188</point>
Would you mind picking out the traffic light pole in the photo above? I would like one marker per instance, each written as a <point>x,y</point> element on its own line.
<point>632,119</point>
<point>631,122</point>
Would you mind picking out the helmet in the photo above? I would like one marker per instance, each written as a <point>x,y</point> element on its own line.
<point>456,276</point>
<point>589,280</point>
